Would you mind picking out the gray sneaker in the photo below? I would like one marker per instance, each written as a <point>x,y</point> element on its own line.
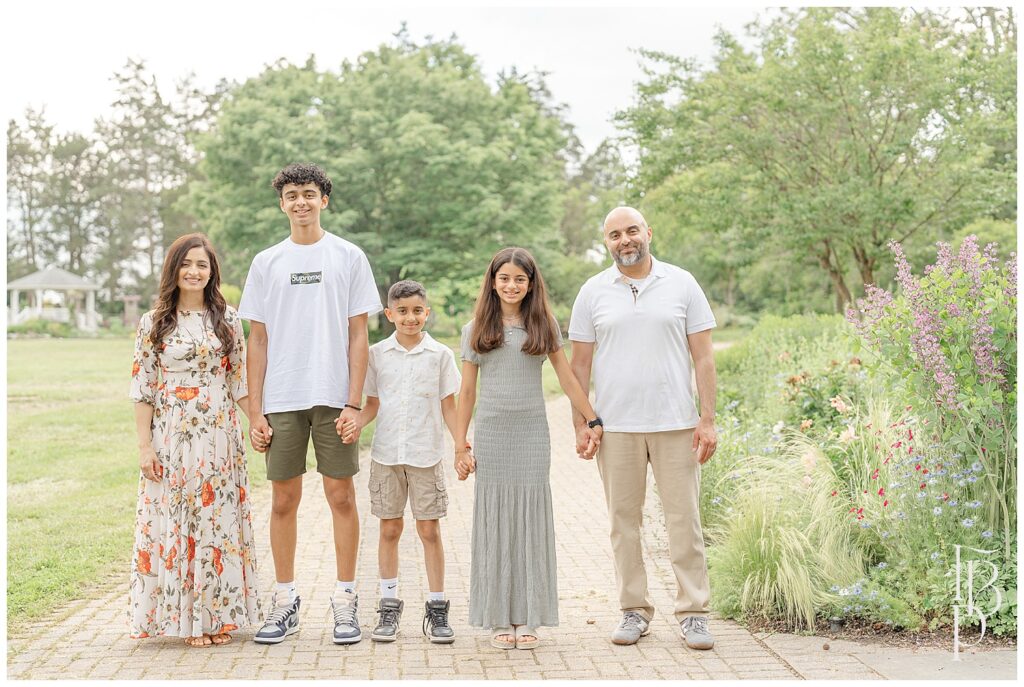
<point>344,607</point>
<point>390,611</point>
<point>696,633</point>
<point>631,628</point>
<point>435,622</point>
<point>281,622</point>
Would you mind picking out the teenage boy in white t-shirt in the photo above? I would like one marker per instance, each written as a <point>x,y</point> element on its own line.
<point>410,387</point>
<point>637,324</point>
<point>308,299</point>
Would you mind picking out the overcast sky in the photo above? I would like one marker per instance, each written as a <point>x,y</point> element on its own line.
<point>62,55</point>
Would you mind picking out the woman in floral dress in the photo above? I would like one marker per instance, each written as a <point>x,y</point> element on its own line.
<point>194,564</point>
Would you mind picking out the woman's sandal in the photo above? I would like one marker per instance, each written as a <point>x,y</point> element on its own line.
<point>526,638</point>
<point>221,638</point>
<point>508,632</point>
<point>200,642</point>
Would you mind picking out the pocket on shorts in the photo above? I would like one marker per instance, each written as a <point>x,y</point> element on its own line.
<point>441,495</point>
<point>376,494</point>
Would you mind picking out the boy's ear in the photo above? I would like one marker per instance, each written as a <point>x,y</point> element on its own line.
<point>388,314</point>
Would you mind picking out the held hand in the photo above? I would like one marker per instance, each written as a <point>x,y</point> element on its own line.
<point>588,441</point>
<point>705,440</point>
<point>260,433</point>
<point>347,425</point>
<point>465,463</point>
<point>150,464</point>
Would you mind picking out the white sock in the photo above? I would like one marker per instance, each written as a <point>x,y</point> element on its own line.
<point>285,593</point>
<point>436,596</point>
<point>347,587</point>
<point>389,588</point>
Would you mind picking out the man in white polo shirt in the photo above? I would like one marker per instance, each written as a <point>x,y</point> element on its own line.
<point>636,325</point>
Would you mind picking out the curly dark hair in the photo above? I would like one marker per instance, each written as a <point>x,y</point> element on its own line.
<point>300,173</point>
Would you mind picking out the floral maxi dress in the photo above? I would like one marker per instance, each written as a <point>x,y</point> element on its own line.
<point>194,561</point>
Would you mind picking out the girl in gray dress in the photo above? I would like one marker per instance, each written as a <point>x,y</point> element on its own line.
<point>513,588</point>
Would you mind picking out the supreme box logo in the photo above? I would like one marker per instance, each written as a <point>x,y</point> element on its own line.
<point>307,277</point>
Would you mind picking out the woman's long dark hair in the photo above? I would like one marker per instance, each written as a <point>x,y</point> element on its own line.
<point>538,320</point>
<point>165,313</point>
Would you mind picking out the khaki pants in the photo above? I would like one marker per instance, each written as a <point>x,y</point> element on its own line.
<point>622,462</point>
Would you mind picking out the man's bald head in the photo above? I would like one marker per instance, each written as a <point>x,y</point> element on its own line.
<point>626,214</point>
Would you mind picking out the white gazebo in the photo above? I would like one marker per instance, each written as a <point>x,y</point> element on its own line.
<point>71,286</point>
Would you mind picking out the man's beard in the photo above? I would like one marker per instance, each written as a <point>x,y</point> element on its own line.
<point>630,260</point>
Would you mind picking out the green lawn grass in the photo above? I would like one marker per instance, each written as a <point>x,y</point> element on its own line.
<point>72,471</point>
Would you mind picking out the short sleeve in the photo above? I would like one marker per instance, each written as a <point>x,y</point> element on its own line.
<point>370,383</point>
<point>363,297</point>
<point>234,362</point>
<point>449,380</point>
<point>144,364</point>
<point>699,316</point>
<point>468,354</point>
<point>581,323</point>
<point>251,305</point>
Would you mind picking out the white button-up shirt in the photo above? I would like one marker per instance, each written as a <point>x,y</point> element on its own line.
<point>410,386</point>
<point>642,371</point>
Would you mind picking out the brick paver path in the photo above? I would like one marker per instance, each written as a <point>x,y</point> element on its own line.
<point>92,641</point>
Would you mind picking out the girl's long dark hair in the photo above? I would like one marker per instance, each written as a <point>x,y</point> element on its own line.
<point>539,322</point>
<point>165,312</point>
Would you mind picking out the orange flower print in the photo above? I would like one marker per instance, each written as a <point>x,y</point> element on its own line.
<point>144,566</point>
<point>135,368</point>
<point>191,549</point>
<point>207,494</point>
<point>241,494</point>
<point>217,565</point>
<point>229,628</point>
<point>225,363</point>
<point>169,563</point>
<point>186,393</point>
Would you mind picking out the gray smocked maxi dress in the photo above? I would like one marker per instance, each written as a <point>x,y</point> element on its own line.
<point>512,575</point>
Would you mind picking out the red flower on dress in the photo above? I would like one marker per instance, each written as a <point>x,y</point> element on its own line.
<point>191,549</point>
<point>241,494</point>
<point>135,368</point>
<point>217,565</point>
<point>144,566</point>
<point>169,562</point>
<point>186,393</point>
<point>207,494</point>
<point>225,363</point>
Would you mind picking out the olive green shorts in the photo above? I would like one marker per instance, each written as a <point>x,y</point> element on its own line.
<point>286,456</point>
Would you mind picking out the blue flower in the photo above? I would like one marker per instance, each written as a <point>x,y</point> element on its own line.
<point>977,467</point>
<point>732,404</point>
<point>846,609</point>
<point>844,592</point>
<point>937,510</point>
<point>856,590</point>
<point>834,588</point>
<point>953,504</point>
<point>865,525</point>
<point>883,565</point>
<point>967,522</point>
<point>935,554</point>
<point>974,504</point>
<point>972,479</point>
<point>885,535</point>
<point>717,500</point>
<point>987,534</point>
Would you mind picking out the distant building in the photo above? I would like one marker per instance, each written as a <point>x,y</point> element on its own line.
<point>72,291</point>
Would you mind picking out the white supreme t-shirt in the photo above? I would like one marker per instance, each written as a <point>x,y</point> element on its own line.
<point>642,371</point>
<point>304,294</point>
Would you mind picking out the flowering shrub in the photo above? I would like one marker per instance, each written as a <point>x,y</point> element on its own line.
<point>951,337</point>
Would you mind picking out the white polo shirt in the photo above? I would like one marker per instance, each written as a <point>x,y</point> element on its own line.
<point>410,386</point>
<point>642,371</point>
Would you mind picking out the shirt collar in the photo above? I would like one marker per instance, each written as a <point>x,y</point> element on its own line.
<point>428,343</point>
<point>613,275</point>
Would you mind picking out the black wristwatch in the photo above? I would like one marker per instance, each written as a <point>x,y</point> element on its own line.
<point>596,422</point>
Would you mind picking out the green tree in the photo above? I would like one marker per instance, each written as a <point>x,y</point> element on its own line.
<point>29,159</point>
<point>843,129</point>
<point>433,168</point>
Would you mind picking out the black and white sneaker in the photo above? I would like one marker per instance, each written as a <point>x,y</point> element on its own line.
<point>282,621</point>
<point>435,623</point>
<point>344,607</point>
<point>390,612</point>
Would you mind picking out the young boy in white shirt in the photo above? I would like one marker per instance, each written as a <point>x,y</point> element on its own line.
<point>410,388</point>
